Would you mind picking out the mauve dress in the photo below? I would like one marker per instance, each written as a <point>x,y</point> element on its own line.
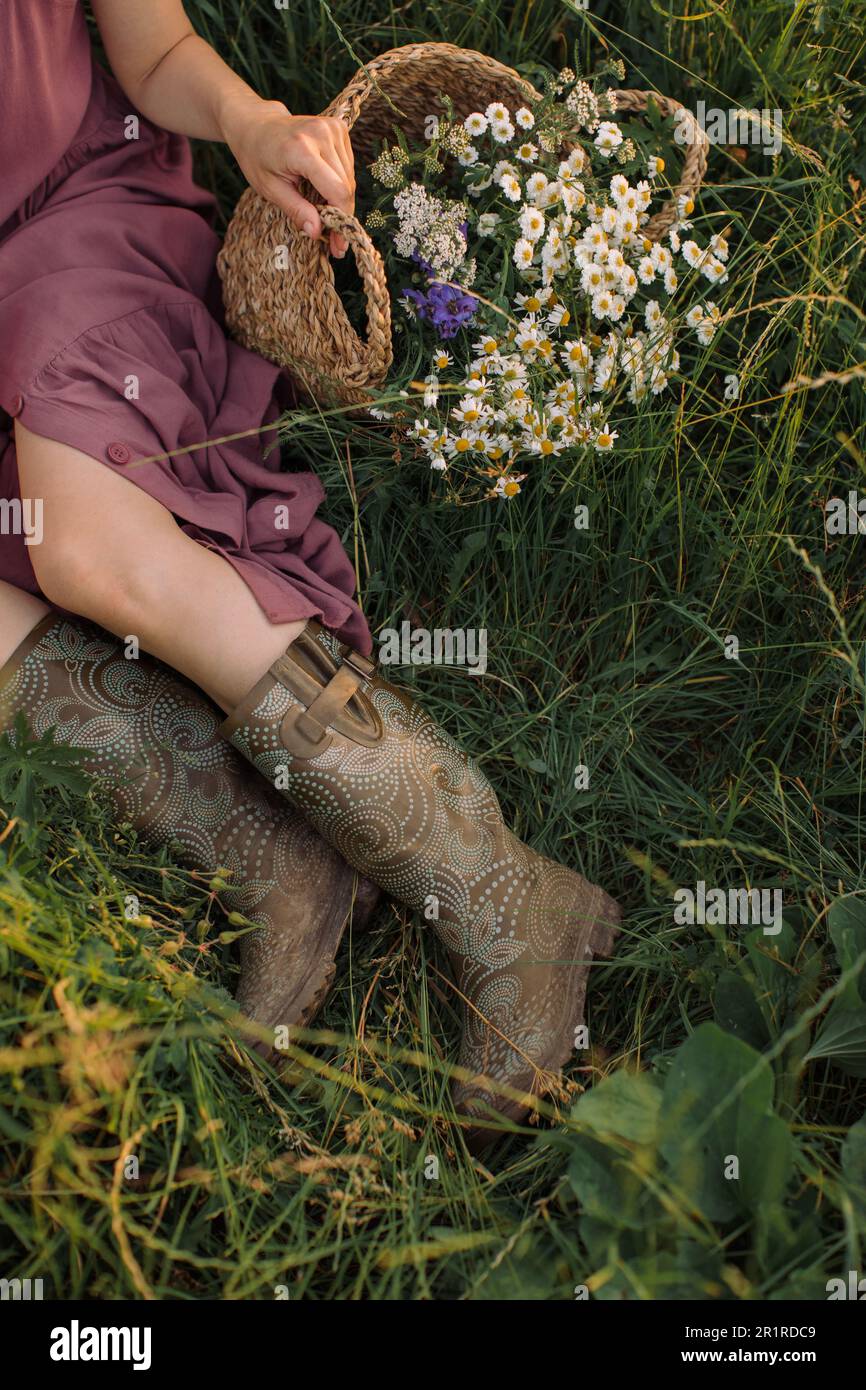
<point>111,336</point>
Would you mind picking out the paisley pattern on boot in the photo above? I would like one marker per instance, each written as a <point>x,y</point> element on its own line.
<point>398,798</point>
<point>155,743</point>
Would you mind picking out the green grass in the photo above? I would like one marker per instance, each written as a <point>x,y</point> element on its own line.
<point>606,647</point>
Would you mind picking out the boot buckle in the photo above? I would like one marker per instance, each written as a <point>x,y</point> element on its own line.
<point>302,736</point>
<point>363,666</point>
<point>306,732</point>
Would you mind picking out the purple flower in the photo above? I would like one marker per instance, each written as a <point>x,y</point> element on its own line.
<point>445,307</point>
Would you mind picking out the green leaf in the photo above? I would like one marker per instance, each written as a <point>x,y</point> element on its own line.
<point>842,1039</point>
<point>626,1104</point>
<point>717,1108</point>
<point>738,1012</point>
<point>846,922</point>
<point>854,1169</point>
<point>605,1184</point>
<point>30,767</point>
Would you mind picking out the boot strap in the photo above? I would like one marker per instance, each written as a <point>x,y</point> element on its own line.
<point>306,732</point>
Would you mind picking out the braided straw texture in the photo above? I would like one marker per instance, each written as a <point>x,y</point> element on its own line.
<point>278,285</point>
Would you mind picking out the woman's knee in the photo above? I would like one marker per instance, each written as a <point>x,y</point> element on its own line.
<point>96,555</point>
<point>78,570</point>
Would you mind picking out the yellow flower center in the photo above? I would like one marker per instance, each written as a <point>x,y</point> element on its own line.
<point>511,489</point>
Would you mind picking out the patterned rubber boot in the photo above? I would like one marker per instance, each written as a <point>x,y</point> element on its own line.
<point>154,742</point>
<point>394,795</point>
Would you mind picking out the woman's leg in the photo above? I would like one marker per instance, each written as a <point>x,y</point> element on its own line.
<point>19,614</point>
<point>115,555</point>
<point>400,801</point>
<point>154,744</point>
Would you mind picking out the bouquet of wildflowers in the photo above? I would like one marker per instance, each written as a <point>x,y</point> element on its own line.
<point>532,300</point>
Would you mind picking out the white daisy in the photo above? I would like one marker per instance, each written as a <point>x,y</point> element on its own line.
<point>608,138</point>
<point>536,185</point>
<point>532,223</point>
<point>693,254</point>
<point>523,253</point>
<point>502,131</point>
<point>619,186</point>
<point>510,187</point>
<point>605,438</point>
<point>714,271</point>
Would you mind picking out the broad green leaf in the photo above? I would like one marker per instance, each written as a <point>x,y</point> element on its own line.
<point>846,923</point>
<point>605,1185</point>
<point>854,1168</point>
<point>738,1012</point>
<point>624,1104</point>
<point>717,1101</point>
<point>842,1039</point>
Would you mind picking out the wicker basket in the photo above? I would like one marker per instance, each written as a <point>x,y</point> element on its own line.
<point>292,312</point>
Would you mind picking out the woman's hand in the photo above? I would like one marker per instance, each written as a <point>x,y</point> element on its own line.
<point>275,150</point>
<point>175,79</point>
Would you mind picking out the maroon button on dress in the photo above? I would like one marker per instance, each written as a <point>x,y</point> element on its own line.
<point>111,336</point>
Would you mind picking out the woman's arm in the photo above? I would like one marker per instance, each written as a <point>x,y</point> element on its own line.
<point>177,80</point>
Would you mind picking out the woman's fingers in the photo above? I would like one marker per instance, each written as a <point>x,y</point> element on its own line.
<point>342,146</point>
<point>320,152</point>
<point>325,170</point>
<point>301,213</point>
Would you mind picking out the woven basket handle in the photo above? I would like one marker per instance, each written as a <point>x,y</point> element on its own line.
<point>694,164</point>
<point>377,352</point>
